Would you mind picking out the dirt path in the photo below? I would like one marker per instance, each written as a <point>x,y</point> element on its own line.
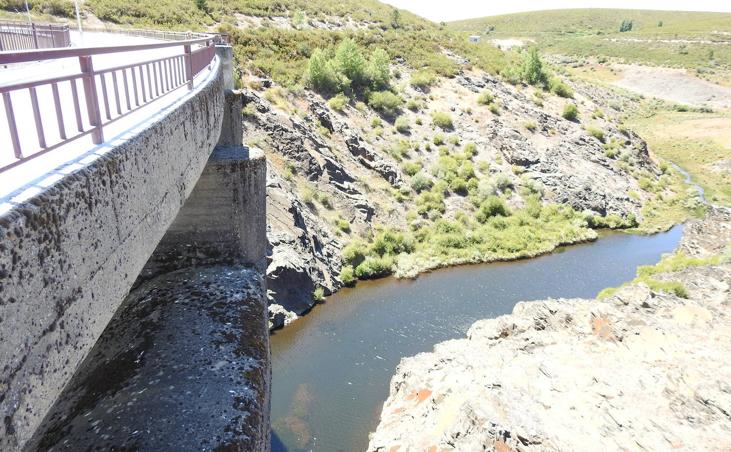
<point>675,85</point>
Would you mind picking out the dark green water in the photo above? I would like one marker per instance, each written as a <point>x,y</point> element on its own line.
<point>332,368</point>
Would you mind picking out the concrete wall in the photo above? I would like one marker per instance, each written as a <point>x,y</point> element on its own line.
<point>224,219</point>
<point>69,255</point>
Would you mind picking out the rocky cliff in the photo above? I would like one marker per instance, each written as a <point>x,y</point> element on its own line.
<point>642,369</point>
<point>336,174</point>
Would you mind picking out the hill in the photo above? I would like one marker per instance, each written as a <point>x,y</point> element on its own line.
<point>667,38</point>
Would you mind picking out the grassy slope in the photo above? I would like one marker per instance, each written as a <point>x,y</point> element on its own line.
<point>595,32</point>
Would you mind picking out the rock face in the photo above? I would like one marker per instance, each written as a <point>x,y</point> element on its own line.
<point>338,173</point>
<point>640,370</point>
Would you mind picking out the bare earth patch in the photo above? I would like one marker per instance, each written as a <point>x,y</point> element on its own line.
<point>675,85</point>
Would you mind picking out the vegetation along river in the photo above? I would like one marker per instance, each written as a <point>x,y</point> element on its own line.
<point>332,368</point>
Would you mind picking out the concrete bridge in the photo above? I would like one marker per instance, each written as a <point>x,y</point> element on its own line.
<point>172,188</point>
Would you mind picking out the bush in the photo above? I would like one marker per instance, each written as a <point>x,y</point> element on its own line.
<point>570,112</point>
<point>495,109</point>
<point>485,98</point>
<point>338,102</point>
<point>354,253</point>
<point>625,26</point>
<point>420,182</point>
<point>402,124</point>
<point>318,294</point>
<point>470,149</point>
<point>442,120</point>
<point>343,225</point>
<point>413,105</point>
<point>374,267</point>
<point>391,243</point>
<point>385,102</point>
<point>423,79</point>
<point>411,168</point>
<point>531,126</point>
<point>438,139</point>
<point>492,207</point>
<point>347,275</point>
<point>559,88</point>
<point>596,133</point>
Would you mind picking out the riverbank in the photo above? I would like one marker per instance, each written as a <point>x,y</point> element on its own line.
<point>637,369</point>
<point>331,368</point>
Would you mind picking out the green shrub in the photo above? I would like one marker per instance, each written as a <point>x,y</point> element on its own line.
<point>347,275</point>
<point>348,68</point>
<point>442,120</point>
<point>385,102</point>
<point>391,243</point>
<point>485,98</point>
<point>343,225</point>
<point>350,62</point>
<point>423,79</point>
<point>376,122</point>
<point>438,139</point>
<point>495,109</point>
<point>492,207</point>
<point>338,102</point>
<point>470,149</point>
<point>411,168</point>
<point>531,126</point>
<point>318,294</point>
<point>570,112</point>
<point>453,140</point>
<point>374,267</point>
<point>413,105</point>
<point>420,182</point>
<point>354,253</point>
<point>430,201</point>
<point>596,133</point>
<point>402,124</point>
<point>559,88</point>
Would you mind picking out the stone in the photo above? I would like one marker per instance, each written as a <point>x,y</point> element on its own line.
<point>641,369</point>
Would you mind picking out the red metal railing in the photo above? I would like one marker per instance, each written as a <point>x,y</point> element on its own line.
<point>99,97</point>
<point>16,35</point>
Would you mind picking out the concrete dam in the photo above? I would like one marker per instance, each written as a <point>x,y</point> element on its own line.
<point>138,264</point>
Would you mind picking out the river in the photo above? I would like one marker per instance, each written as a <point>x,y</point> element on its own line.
<point>332,368</point>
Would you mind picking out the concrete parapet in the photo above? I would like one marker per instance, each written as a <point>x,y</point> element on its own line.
<point>70,254</point>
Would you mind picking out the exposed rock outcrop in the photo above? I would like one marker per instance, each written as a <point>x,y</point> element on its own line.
<point>640,370</point>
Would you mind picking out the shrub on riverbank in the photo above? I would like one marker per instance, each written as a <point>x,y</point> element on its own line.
<point>499,235</point>
<point>668,264</point>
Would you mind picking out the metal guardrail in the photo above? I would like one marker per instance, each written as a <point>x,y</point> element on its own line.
<point>163,35</point>
<point>17,35</point>
<point>104,96</point>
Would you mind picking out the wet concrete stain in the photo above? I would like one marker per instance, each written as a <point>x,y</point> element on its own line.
<point>183,365</point>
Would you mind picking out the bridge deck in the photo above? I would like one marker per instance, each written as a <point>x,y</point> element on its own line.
<point>19,183</point>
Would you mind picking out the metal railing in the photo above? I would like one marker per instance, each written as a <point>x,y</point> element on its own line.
<point>16,35</point>
<point>99,97</point>
<point>164,35</point>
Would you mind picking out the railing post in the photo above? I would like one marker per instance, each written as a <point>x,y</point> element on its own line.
<point>35,35</point>
<point>92,101</point>
<point>188,66</point>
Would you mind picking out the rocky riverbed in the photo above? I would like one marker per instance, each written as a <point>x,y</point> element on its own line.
<point>642,369</point>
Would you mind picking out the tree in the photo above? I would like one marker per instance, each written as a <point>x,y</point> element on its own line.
<point>202,5</point>
<point>532,69</point>
<point>349,60</point>
<point>395,18</point>
<point>379,68</point>
<point>625,26</point>
<point>321,73</point>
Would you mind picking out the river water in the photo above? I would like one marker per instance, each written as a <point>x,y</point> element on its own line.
<point>332,368</point>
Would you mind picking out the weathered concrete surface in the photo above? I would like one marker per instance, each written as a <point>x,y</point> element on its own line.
<point>642,370</point>
<point>183,365</point>
<point>69,255</point>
